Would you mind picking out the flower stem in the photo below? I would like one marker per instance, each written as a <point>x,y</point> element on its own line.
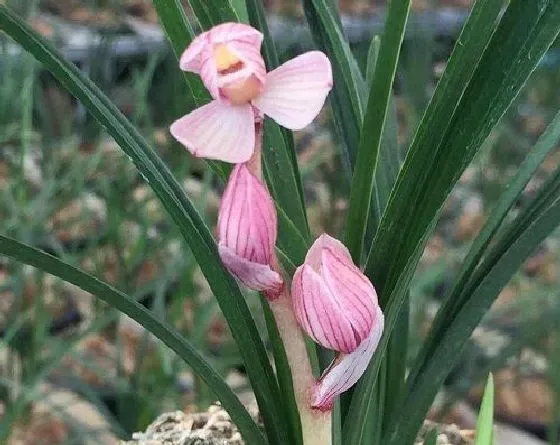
<point>316,425</point>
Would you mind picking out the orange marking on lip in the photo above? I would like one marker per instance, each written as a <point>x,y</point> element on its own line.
<point>226,61</point>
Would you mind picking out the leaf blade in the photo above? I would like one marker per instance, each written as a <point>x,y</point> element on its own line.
<point>373,126</point>
<point>127,305</point>
<point>347,96</point>
<point>485,422</point>
<point>177,204</point>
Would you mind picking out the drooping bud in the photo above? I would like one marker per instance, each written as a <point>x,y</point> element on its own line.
<point>229,61</point>
<point>247,232</point>
<point>334,302</point>
<point>336,305</point>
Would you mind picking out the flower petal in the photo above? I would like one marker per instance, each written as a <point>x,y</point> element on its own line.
<point>319,312</point>
<point>242,40</point>
<point>247,217</point>
<point>191,57</point>
<point>218,131</point>
<point>314,256</point>
<point>354,293</point>
<point>226,32</point>
<point>346,370</point>
<point>255,276</point>
<point>295,92</point>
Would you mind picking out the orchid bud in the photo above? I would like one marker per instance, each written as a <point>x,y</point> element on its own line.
<point>247,232</point>
<point>333,300</point>
<point>229,61</point>
<point>336,305</point>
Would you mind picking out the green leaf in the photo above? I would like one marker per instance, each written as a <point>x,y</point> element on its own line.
<point>127,305</point>
<point>485,422</point>
<point>453,302</point>
<point>483,76</point>
<point>373,125</point>
<point>281,168</point>
<point>257,18</point>
<point>177,204</point>
<point>348,96</point>
<point>431,437</point>
<point>213,12</point>
<point>284,182</point>
<point>523,235</point>
<point>373,54</point>
<point>240,8</point>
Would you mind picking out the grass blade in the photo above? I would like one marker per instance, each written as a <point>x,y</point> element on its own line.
<point>347,97</point>
<point>482,78</point>
<point>127,305</point>
<point>453,302</point>
<point>373,125</point>
<point>485,422</point>
<point>213,12</point>
<point>514,246</point>
<point>431,438</point>
<point>282,172</point>
<point>177,204</point>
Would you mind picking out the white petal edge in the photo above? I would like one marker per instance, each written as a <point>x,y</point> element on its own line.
<point>347,369</point>
<point>259,277</point>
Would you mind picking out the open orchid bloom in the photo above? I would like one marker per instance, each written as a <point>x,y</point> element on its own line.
<point>247,232</point>
<point>228,60</point>
<point>336,305</point>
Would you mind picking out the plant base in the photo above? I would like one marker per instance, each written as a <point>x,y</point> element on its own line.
<point>215,427</point>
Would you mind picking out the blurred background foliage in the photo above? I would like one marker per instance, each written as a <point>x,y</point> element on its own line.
<point>74,371</point>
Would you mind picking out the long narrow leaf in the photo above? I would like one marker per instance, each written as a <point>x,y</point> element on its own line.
<point>173,198</point>
<point>491,276</point>
<point>452,302</point>
<point>373,125</point>
<point>127,305</point>
<point>348,95</point>
<point>482,78</point>
<point>485,422</point>
<point>280,158</point>
<point>213,12</point>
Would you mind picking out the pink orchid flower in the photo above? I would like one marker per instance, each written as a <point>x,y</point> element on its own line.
<point>336,305</point>
<point>229,61</point>
<point>247,232</point>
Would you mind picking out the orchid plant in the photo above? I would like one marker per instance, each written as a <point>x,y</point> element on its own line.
<point>336,309</point>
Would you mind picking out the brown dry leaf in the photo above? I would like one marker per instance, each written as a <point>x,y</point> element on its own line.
<point>40,429</point>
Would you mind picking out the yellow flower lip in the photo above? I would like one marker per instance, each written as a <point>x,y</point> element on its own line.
<point>226,61</point>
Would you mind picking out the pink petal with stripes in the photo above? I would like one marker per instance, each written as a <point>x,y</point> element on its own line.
<point>218,131</point>
<point>333,300</point>
<point>346,369</point>
<point>247,230</point>
<point>319,313</point>
<point>295,92</point>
